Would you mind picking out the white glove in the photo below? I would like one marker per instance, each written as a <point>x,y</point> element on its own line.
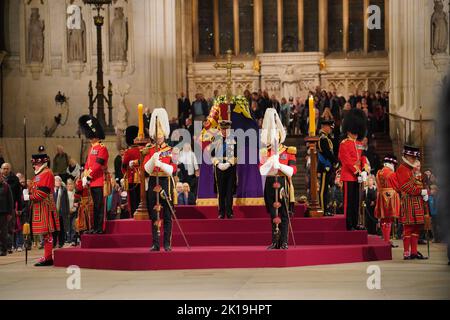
<point>26,195</point>
<point>84,181</point>
<point>360,179</point>
<point>266,168</point>
<point>166,168</point>
<point>156,156</point>
<point>424,192</point>
<point>158,163</point>
<point>364,176</point>
<point>131,164</point>
<point>425,198</point>
<point>224,166</point>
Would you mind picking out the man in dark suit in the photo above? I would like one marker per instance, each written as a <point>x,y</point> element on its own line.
<point>184,109</point>
<point>186,197</point>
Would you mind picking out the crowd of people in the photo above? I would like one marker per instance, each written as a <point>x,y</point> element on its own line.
<point>330,110</point>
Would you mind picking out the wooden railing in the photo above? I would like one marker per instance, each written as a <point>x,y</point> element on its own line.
<point>408,125</point>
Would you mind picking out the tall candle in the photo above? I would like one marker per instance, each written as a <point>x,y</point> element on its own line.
<point>312,117</point>
<point>141,121</point>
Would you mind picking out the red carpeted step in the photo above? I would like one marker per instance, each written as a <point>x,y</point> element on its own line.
<point>249,238</point>
<point>336,223</point>
<point>211,212</point>
<point>221,257</point>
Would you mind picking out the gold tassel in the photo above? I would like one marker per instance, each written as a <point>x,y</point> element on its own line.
<point>26,229</point>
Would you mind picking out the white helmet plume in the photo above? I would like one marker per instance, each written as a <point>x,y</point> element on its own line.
<point>163,120</point>
<point>272,127</point>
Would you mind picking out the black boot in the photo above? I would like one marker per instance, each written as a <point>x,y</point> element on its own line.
<point>284,246</point>
<point>45,263</point>
<point>154,248</point>
<point>273,246</point>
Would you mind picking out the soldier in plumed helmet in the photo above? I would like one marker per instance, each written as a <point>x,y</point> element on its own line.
<point>355,166</point>
<point>160,167</point>
<point>95,167</point>
<point>278,165</point>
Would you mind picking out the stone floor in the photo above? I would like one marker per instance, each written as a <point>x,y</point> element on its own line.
<point>399,280</point>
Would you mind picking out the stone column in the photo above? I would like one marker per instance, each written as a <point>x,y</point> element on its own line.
<point>195,44</point>
<point>345,15</point>
<point>237,49</point>
<point>216,29</point>
<point>323,26</point>
<point>161,71</point>
<point>280,24</point>
<point>366,30</point>
<point>301,27</point>
<point>258,26</point>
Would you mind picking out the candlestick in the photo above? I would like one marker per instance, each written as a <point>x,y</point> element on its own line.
<point>312,117</point>
<point>141,121</point>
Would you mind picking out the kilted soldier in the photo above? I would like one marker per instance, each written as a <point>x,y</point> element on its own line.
<point>224,158</point>
<point>413,200</point>
<point>95,167</point>
<point>131,169</point>
<point>278,165</point>
<point>355,166</point>
<point>44,217</point>
<point>387,207</point>
<point>327,162</point>
<point>158,164</point>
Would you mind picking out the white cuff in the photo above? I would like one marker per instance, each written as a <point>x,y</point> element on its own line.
<point>287,170</point>
<point>166,168</point>
<point>149,166</point>
<point>266,168</point>
<point>26,197</point>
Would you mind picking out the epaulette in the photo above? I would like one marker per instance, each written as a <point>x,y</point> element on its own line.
<point>264,151</point>
<point>292,150</point>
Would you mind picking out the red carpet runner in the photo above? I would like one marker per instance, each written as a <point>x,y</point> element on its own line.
<point>237,243</point>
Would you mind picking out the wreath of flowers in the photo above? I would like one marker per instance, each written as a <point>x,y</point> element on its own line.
<point>239,101</point>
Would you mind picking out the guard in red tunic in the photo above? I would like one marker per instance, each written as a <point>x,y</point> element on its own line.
<point>158,164</point>
<point>45,219</point>
<point>355,166</point>
<point>95,168</point>
<point>413,202</point>
<point>387,207</point>
<point>278,165</point>
<point>130,169</point>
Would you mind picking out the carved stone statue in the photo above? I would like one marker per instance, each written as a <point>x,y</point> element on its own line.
<point>76,43</point>
<point>122,110</point>
<point>439,29</point>
<point>119,37</point>
<point>289,82</point>
<point>35,37</point>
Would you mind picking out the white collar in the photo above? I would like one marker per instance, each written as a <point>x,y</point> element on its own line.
<point>390,166</point>
<point>416,164</point>
<point>36,172</point>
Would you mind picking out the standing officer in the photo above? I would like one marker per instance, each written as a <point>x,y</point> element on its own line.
<point>224,157</point>
<point>278,165</point>
<point>355,167</point>
<point>130,169</point>
<point>95,167</point>
<point>158,164</point>
<point>327,161</point>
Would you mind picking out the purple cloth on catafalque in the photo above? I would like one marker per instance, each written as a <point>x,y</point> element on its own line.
<point>249,178</point>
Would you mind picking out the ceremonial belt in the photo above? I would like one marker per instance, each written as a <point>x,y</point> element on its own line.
<point>387,190</point>
<point>160,174</point>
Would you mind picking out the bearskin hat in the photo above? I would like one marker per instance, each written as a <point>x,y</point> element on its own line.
<point>91,127</point>
<point>131,133</point>
<point>355,122</point>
